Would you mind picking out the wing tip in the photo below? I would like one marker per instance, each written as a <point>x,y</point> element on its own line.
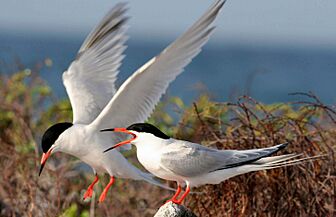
<point>120,6</point>
<point>282,146</point>
<point>218,6</point>
<point>117,14</point>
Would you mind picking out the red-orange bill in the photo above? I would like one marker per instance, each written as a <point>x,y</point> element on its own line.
<point>44,159</point>
<point>123,130</point>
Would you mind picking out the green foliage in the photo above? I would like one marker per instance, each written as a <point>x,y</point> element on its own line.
<point>308,126</point>
<point>27,108</point>
<point>162,115</point>
<point>59,111</point>
<point>73,211</point>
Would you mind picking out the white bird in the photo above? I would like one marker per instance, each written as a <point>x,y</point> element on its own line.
<point>96,104</point>
<point>193,164</point>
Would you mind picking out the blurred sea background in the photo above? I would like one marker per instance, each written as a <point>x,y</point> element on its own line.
<point>264,49</point>
<point>225,70</point>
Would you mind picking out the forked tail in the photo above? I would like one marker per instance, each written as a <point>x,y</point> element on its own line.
<point>259,159</point>
<point>280,161</point>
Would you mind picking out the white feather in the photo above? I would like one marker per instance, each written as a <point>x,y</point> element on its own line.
<point>138,95</point>
<point>90,79</point>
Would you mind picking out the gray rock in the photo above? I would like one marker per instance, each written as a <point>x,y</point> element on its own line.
<point>174,210</point>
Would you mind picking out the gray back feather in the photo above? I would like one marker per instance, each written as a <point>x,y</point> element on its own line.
<point>189,159</point>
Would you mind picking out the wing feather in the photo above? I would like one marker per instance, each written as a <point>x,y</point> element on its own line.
<point>90,79</point>
<point>138,95</point>
<point>190,159</point>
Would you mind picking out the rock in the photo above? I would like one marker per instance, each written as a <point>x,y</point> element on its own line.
<point>174,210</point>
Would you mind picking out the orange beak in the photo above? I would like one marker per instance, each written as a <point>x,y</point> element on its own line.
<point>44,159</point>
<point>123,130</point>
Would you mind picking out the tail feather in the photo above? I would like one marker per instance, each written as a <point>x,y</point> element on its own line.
<point>280,161</point>
<point>261,164</point>
<point>277,159</point>
<point>247,157</point>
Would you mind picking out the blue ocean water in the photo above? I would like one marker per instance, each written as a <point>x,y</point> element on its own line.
<point>224,69</point>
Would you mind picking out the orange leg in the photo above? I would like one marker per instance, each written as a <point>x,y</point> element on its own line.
<point>89,191</point>
<point>103,195</point>
<point>178,191</point>
<point>183,195</point>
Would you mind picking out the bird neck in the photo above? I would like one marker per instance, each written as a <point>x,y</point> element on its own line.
<point>71,141</point>
<point>149,141</point>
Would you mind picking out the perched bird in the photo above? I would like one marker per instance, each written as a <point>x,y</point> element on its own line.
<point>96,104</point>
<point>193,164</point>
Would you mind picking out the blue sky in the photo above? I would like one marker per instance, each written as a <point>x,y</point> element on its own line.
<point>281,21</point>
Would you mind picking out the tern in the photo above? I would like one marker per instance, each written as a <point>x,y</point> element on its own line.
<point>96,104</point>
<point>193,164</point>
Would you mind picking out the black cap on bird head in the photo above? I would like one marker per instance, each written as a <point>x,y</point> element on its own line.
<point>147,128</point>
<point>49,138</point>
<point>140,128</point>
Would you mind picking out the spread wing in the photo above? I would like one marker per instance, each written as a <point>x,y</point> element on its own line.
<point>138,95</point>
<point>190,159</point>
<point>89,80</point>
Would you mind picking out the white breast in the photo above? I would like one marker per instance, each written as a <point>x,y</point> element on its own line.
<point>149,155</point>
<point>89,147</point>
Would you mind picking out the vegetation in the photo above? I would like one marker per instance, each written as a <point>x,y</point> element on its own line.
<point>27,108</point>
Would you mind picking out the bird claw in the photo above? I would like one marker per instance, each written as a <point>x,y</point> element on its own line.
<point>89,191</point>
<point>88,194</point>
<point>102,197</point>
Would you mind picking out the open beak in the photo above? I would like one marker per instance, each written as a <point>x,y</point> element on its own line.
<point>44,159</point>
<point>123,130</point>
